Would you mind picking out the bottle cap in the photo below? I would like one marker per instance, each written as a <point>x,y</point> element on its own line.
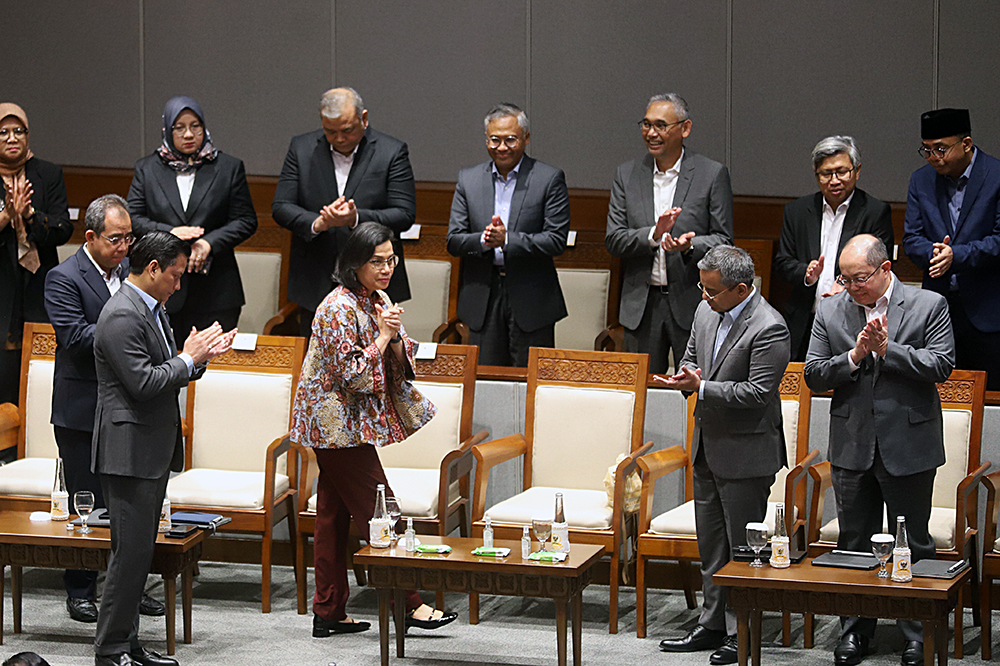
<point>380,486</point>
<point>489,521</point>
<point>409,523</point>
<point>524,530</point>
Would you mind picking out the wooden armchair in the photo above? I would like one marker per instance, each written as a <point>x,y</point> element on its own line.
<point>584,408</point>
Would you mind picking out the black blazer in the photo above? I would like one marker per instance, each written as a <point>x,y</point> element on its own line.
<point>799,244</point>
<point>220,202</point>
<point>21,292</point>
<point>75,294</point>
<point>381,184</point>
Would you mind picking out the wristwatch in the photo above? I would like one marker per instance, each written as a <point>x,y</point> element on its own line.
<point>398,338</point>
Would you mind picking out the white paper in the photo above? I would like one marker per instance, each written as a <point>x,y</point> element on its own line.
<point>245,342</point>
<point>427,351</point>
<point>571,239</point>
<point>413,233</point>
<point>40,517</point>
<point>74,213</point>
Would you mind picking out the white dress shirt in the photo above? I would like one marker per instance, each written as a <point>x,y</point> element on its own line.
<point>185,183</point>
<point>879,310</point>
<point>829,245</point>
<point>664,187</point>
<point>342,167</point>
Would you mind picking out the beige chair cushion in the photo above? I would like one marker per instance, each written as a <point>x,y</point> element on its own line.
<point>261,276</point>
<point>680,520</point>
<point>586,294</point>
<point>40,440</point>
<point>957,432</point>
<point>578,434</point>
<point>425,448</point>
<point>66,251</point>
<point>236,417</point>
<point>585,509</point>
<point>416,490</point>
<point>941,525</point>
<point>222,488</point>
<point>28,477</point>
<point>790,425</point>
<point>430,281</point>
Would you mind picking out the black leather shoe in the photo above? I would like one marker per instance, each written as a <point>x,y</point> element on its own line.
<point>81,609</point>
<point>151,607</point>
<point>851,649</point>
<point>446,618</point>
<point>150,658</point>
<point>729,653</point>
<point>697,639</point>
<point>913,654</point>
<point>323,628</point>
<point>113,660</point>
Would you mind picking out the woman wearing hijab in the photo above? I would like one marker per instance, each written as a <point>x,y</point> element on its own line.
<point>198,193</point>
<point>33,222</point>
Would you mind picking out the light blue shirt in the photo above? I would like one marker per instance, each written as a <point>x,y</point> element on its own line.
<point>503,193</point>
<point>956,191</point>
<point>728,319</point>
<point>155,307</point>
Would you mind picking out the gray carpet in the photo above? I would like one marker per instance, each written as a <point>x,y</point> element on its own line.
<point>230,629</point>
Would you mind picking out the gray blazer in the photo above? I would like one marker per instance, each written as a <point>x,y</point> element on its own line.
<point>536,232</point>
<point>706,197</point>
<point>738,418</point>
<point>137,427</point>
<point>894,399</point>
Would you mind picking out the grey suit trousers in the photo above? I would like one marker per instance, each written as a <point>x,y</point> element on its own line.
<point>134,509</point>
<point>722,509</point>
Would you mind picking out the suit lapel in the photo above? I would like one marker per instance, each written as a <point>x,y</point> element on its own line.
<point>132,294</point>
<point>202,183</point>
<point>738,329</point>
<point>92,276</point>
<point>972,189</point>
<point>166,179</point>
<point>683,182</point>
<point>646,191</point>
<point>941,195</point>
<point>322,166</point>
<point>814,229</point>
<point>485,203</point>
<point>520,187</point>
<point>362,159</point>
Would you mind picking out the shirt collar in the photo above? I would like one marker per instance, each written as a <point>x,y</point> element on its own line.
<point>736,310</point>
<point>884,298</point>
<point>847,202</point>
<point>968,170</point>
<point>344,157</point>
<point>116,271</point>
<point>150,302</point>
<point>513,172</point>
<point>675,169</point>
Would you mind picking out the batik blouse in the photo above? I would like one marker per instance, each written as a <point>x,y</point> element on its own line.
<point>349,393</point>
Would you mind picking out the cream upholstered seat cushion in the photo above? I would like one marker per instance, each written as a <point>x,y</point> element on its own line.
<point>39,438</point>
<point>66,251</point>
<point>261,276</point>
<point>430,282</point>
<point>28,477</point>
<point>222,488</point>
<point>941,525</point>
<point>425,448</point>
<point>586,294</point>
<point>679,521</point>
<point>585,509</point>
<point>957,432</point>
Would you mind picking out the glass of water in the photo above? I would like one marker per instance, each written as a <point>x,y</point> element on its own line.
<point>543,530</point>
<point>83,501</point>
<point>882,545</point>
<point>757,539</point>
<point>392,506</point>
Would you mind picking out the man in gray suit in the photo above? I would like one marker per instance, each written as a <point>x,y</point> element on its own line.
<point>509,218</point>
<point>881,346</point>
<point>735,359</point>
<point>667,210</point>
<point>137,429</point>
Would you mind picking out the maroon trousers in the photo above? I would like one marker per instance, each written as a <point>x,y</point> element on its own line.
<point>346,490</point>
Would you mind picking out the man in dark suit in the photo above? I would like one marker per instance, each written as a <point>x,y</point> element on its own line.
<point>509,218</point>
<point>332,180</point>
<point>881,346</point>
<point>952,231</point>
<point>734,360</point>
<point>137,429</point>
<point>667,210</point>
<point>75,292</point>
<point>816,228</point>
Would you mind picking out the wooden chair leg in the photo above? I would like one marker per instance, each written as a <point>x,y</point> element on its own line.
<point>808,629</point>
<point>977,618</point>
<point>464,528</point>
<point>959,616</point>
<point>786,629</point>
<point>439,600</point>
<point>692,601</point>
<point>640,596</point>
<point>985,611</point>
<point>473,608</point>
<point>265,570</point>
<point>615,577</point>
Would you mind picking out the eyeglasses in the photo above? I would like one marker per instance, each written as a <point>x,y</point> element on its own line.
<point>839,174</point>
<point>712,297</point>
<point>936,151</point>
<point>511,141</point>
<point>378,263</point>
<point>859,282</point>
<point>17,131</point>
<point>660,126</point>
<point>195,128</point>
<point>118,239</point>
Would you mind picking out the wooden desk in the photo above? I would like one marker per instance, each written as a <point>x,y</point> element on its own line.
<point>803,588</point>
<point>49,544</point>
<point>393,570</point>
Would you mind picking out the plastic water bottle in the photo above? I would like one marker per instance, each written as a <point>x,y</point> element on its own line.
<point>901,572</point>
<point>409,537</point>
<point>525,543</point>
<point>779,542</point>
<point>60,496</point>
<point>378,527</point>
<point>560,529</point>
<point>488,533</point>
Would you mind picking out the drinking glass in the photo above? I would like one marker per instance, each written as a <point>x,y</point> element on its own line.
<point>543,530</point>
<point>83,500</point>
<point>882,545</point>
<point>392,506</point>
<point>757,539</point>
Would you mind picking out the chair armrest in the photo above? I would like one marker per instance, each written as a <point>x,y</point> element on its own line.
<point>275,450</point>
<point>10,425</point>
<point>451,329</point>
<point>653,466</point>
<point>622,472</point>
<point>963,523</point>
<point>308,472</point>
<point>797,476</point>
<point>610,339</point>
<point>992,482</point>
<point>488,455</point>
<point>820,473</point>
<point>456,466</point>
<point>284,314</point>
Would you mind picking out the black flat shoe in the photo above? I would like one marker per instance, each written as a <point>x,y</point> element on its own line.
<point>81,609</point>
<point>729,653</point>
<point>323,628</point>
<point>146,657</point>
<point>851,649</point>
<point>151,607</point>
<point>913,654</point>
<point>446,618</point>
<point>697,639</point>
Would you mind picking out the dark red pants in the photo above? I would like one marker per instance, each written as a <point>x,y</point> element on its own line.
<point>346,490</point>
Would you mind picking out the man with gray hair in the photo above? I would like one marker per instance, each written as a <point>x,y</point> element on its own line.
<point>816,228</point>
<point>509,218</point>
<point>735,360</point>
<point>333,179</point>
<point>75,293</point>
<point>667,210</point>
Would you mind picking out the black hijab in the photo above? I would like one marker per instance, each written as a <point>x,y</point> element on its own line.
<point>172,157</point>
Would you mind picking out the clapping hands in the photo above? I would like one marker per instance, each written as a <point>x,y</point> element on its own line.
<point>206,344</point>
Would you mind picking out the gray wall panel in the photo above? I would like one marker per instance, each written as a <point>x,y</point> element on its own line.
<point>430,71</point>
<point>74,68</point>
<point>595,64</point>
<point>257,69</point>
<point>796,80</point>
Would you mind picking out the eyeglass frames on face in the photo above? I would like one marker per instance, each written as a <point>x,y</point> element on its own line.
<point>511,141</point>
<point>194,128</point>
<point>839,174</point>
<point>712,297</point>
<point>660,126</point>
<point>860,282</point>
<point>937,151</point>
<point>378,263</point>
<point>117,240</point>
<point>18,132</point>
